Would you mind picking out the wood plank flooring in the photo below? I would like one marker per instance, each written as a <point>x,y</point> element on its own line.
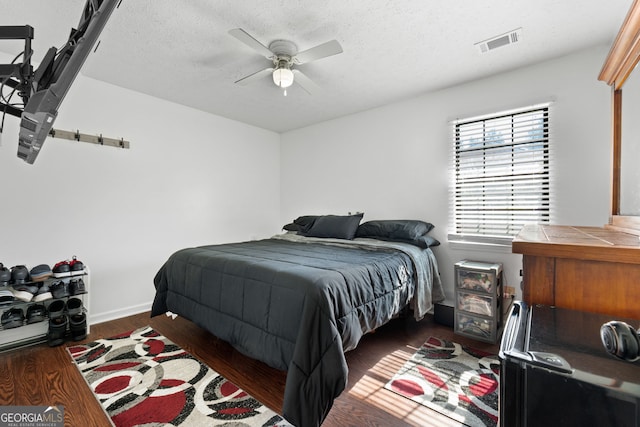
<point>40,375</point>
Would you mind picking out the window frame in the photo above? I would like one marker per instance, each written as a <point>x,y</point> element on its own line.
<point>457,233</point>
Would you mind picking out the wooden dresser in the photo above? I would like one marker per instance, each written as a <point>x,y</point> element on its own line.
<point>582,268</point>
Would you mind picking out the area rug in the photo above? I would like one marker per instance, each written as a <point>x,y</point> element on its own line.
<point>142,378</point>
<point>457,381</point>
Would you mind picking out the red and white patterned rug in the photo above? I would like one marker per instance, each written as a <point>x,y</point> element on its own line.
<point>457,381</point>
<point>142,378</point>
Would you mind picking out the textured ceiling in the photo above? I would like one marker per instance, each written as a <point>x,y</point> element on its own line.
<point>181,50</point>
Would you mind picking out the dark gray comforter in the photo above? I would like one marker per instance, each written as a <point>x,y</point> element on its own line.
<point>297,304</point>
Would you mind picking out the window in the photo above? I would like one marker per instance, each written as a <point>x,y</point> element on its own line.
<point>501,173</point>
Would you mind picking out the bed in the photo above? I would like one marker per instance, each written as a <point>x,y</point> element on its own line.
<point>298,301</point>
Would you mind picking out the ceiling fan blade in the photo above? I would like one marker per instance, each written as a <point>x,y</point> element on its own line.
<point>305,82</point>
<point>254,44</point>
<point>321,51</point>
<point>255,76</point>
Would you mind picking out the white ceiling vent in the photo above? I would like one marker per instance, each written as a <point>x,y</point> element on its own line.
<point>501,40</point>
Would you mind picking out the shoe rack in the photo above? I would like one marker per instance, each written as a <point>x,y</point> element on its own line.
<point>35,333</point>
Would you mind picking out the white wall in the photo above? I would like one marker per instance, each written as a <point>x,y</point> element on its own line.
<point>393,162</point>
<point>190,178</point>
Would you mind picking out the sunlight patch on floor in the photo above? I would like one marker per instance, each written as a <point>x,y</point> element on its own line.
<point>371,388</point>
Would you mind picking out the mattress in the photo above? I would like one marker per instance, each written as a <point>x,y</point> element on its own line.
<point>298,303</point>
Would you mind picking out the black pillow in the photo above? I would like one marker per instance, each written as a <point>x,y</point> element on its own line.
<point>305,220</point>
<point>301,224</point>
<point>398,229</point>
<point>335,226</point>
<point>421,242</point>
<point>427,241</point>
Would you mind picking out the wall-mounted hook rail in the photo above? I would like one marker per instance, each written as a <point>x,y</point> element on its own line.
<point>93,139</point>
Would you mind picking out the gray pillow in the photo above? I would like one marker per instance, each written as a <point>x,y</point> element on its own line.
<point>421,242</point>
<point>395,229</point>
<point>301,224</point>
<point>335,226</point>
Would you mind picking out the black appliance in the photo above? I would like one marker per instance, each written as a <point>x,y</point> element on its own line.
<point>555,371</point>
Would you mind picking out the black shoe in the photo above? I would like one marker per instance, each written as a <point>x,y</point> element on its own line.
<point>12,318</point>
<point>78,326</point>
<point>57,330</point>
<point>40,272</point>
<point>19,274</point>
<point>56,309</point>
<point>76,266</point>
<point>74,306</point>
<point>25,291</point>
<point>60,289</point>
<point>36,313</point>
<point>6,297</point>
<point>62,269</point>
<point>76,287</point>
<point>43,293</point>
<point>5,275</point>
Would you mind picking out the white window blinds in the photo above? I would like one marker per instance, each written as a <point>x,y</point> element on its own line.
<point>501,169</point>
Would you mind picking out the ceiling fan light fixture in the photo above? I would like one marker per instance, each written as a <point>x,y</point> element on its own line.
<point>284,54</point>
<point>283,77</point>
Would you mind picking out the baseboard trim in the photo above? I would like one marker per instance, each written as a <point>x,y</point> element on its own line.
<point>117,314</point>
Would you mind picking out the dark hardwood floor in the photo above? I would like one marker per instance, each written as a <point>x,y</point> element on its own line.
<point>39,375</point>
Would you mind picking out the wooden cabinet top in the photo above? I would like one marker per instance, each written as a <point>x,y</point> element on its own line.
<point>588,243</point>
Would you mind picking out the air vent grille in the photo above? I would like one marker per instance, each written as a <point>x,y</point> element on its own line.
<point>499,41</point>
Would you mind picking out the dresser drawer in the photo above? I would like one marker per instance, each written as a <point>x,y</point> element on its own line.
<point>476,303</point>
<point>476,277</point>
<point>475,327</point>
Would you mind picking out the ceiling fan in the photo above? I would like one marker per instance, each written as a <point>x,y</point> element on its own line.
<point>285,56</point>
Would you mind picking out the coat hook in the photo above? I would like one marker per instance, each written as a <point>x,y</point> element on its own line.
<point>100,140</point>
<point>77,135</point>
